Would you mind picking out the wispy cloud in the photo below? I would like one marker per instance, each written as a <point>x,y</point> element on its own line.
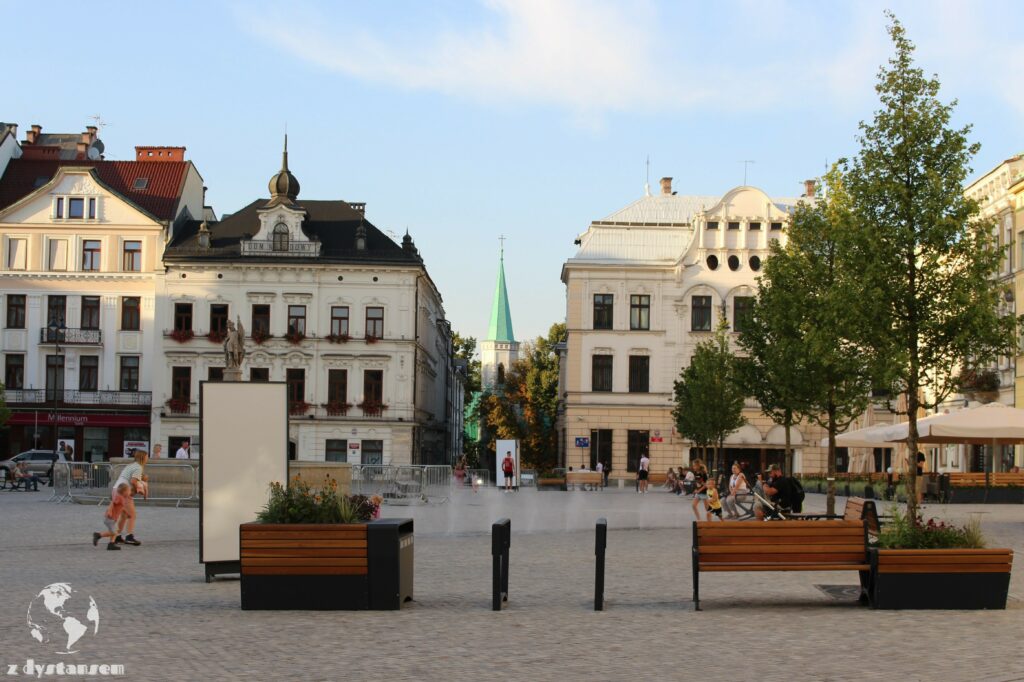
<point>594,57</point>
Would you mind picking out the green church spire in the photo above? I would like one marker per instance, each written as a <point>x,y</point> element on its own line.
<point>500,328</point>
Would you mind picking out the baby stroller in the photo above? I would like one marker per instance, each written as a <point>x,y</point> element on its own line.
<point>772,511</point>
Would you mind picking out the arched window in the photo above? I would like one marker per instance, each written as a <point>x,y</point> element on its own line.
<point>501,372</point>
<point>280,237</point>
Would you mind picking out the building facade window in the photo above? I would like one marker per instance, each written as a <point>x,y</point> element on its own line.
<point>259,374</point>
<point>56,310</point>
<point>295,379</point>
<point>88,372</point>
<point>639,374</point>
<point>280,237</point>
<point>734,263</point>
<point>219,318</point>
<point>261,319</point>
<point>58,255</point>
<point>131,313</point>
<point>339,320</point>
<point>14,371</point>
<point>17,254</point>
<point>375,323</point>
<point>754,226</point>
<point>776,226</point>
<point>337,386</point>
<point>182,317</point>
<point>129,373</point>
<point>131,259</point>
<point>373,387</point>
<point>181,384</point>
<point>600,448</point>
<point>92,208</point>
<point>712,225</point>
<point>637,445</point>
<point>91,255</point>
<point>215,374</point>
<point>604,307</point>
<point>742,309</point>
<point>90,312</point>
<point>16,311</point>
<point>700,314</point>
<point>639,311</point>
<point>601,373</point>
<point>54,376</point>
<point>733,225</point>
<point>373,452</point>
<point>297,319</point>
<point>58,208</point>
<point>336,450</point>
<point>76,208</point>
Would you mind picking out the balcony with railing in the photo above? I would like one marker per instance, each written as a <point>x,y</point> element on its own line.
<point>270,247</point>
<point>46,396</point>
<point>71,337</point>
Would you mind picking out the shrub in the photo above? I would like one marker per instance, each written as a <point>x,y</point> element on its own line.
<point>298,503</point>
<point>902,533</point>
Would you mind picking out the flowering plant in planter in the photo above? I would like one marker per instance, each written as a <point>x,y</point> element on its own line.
<point>298,407</point>
<point>370,338</point>
<point>338,338</point>
<point>216,336</point>
<point>337,408</point>
<point>901,533</point>
<point>259,336</point>
<point>372,409</point>
<point>294,338</point>
<point>179,405</point>
<point>182,335</point>
<point>299,503</point>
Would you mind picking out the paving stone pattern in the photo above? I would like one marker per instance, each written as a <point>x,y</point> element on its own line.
<point>163,622</point>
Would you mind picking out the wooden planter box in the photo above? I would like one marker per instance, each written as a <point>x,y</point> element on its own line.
<point>940,578</point>
<point>550,484</point>
<point>973,495</point>
<point>327,566</point>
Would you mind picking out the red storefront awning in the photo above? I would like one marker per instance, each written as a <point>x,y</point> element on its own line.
<point>46,418</point>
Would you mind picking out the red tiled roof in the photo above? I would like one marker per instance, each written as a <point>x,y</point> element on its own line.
<point>160,198</point>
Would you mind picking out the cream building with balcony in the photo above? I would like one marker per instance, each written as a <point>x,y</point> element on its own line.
<point>82,240</point>
<point>347,318</point>
<point>648,284</point>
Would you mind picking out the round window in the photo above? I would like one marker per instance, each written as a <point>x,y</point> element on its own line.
<point>712,262</point>
<point>755,263</point>
<point>734,263</point>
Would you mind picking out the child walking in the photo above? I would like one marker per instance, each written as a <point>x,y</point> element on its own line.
<point>137,483</point>
<point>714,501</point>
<point>117,501</point>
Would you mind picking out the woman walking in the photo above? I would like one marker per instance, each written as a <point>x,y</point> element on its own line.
<point>700,485</point>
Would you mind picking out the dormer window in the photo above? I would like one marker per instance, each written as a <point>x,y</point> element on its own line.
<point>280,237</point>
<point>140,183</point>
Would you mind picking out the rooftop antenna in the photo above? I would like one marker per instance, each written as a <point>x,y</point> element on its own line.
<point>746,163</point>
<point>647,182</point>
<point>501,238</point>
<point>98,120</point>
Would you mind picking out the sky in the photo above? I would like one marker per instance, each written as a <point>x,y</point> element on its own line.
<point>464,121</point>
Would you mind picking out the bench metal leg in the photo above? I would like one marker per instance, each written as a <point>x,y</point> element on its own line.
<point>696,581</point>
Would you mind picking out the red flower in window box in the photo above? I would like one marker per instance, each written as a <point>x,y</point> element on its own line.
<point>259,337</point>
<point>295,338</point>
<point>336,408</point>
<point>216,336</point>
<point>371,409</point>
<point>370,338</point>
<point>338,338</point>
<point>297,408</point>
<point>179,405</point>
<point>182,335</point>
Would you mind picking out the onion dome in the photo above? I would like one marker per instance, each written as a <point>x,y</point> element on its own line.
<point>284,187</point>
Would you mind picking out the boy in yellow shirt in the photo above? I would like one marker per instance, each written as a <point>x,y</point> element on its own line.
<point>714,503</point>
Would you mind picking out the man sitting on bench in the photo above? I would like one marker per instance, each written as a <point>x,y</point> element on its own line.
<point>779,489</point>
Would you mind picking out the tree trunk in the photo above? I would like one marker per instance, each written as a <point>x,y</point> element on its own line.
<point>911,474</point>
<point>787,454</point>
<point>830,501</point>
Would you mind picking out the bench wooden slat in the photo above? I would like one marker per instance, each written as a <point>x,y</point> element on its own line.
<point>311,552</point>
<point>944,568</point>
<point>265,528</point>
<point>761,548</point>
<point>721,568</point>
<point>950,559</point>
<point>304,570</point>
<point>270,544</point>
<point>304,535</point>
<point>304,561</point>
<point>788,539</point>
<point>849,557</point>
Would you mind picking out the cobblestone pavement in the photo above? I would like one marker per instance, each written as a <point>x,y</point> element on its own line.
<point>163,622</point>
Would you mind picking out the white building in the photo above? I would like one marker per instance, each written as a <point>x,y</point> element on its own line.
<point>350,320</point>
<point>82,240</point>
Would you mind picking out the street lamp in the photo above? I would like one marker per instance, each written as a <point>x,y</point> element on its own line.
<point>56,328</point>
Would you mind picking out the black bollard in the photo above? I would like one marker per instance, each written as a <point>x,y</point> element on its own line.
<point>501,539</point>
<point>600,543</point>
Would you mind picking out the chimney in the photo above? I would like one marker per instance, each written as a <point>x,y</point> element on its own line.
<point>92,133</point>
<point>204,235</point>
<point>809,186</point>
<point>666,186</point>
<point>81,150</point>
<point>32,135</point>
<point>159,153</point>
<point>86,138</point>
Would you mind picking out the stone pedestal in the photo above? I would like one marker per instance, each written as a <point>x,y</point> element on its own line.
<point>232,374</point>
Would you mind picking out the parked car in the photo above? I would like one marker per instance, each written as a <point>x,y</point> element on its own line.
<point>39,462</point>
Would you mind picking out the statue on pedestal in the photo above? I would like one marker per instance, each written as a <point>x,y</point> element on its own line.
<point>234,346</point>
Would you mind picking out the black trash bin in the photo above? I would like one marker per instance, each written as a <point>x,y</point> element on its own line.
<point>389,545</point>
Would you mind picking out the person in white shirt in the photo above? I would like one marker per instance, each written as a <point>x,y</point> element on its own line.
<point>182,452</point>
<point>643,473</point>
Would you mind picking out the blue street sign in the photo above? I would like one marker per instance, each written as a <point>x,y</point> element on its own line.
<point>583,442</point>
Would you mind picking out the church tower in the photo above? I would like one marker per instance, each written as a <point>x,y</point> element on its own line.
<point>500,349</point>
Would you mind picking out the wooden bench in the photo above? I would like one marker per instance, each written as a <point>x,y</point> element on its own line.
<point>779,546</point>
<point>977,480</point>
<point>857,509</point>
<point>303,549</point>
<point>594,479</point>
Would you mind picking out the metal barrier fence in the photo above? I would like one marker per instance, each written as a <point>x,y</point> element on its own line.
<point>403,484</point>
<point>92,482</point>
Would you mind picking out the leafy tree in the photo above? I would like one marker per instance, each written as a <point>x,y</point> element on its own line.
<point>5,413</point>
<point>928,259</point>
<point>465,349</point>
<point>525,406</point>
<point>810,293</point>
<point>709,396</point>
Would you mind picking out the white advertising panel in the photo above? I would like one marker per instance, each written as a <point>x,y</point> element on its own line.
<point>244,432</point>
<point>500,448</point>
